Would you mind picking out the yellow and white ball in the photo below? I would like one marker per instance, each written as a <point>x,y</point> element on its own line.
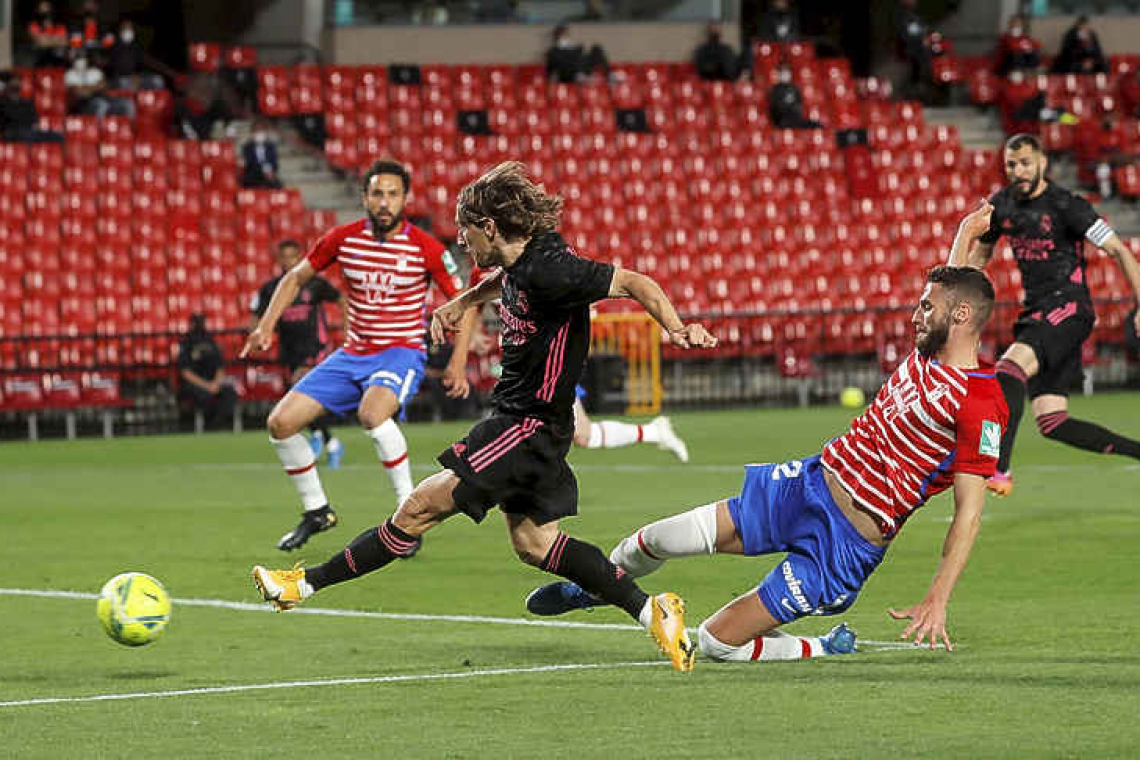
<point>134,609</point>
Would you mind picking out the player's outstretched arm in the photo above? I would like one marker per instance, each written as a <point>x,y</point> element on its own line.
<point>260,338</point>
<point>973,226</point>
<point>455,373</point>
<point>447,318</point>
<point>928,617</point>
<point>1116,248</point>
<point>646,291</point>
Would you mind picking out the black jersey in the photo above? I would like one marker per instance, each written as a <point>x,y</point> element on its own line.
<point>1047,234</point>
<point>302,330</point>
<point>545,311</point>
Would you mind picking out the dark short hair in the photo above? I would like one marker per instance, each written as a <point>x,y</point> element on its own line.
<point>387,166</point>
<point>288,243</point>
<point>967,284</point>
<point>1021,140</point>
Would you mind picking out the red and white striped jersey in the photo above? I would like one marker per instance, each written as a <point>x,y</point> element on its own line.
<point>386,282</point>
<point>927,423</point>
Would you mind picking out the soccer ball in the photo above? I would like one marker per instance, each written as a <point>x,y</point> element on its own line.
<point>134,609</point>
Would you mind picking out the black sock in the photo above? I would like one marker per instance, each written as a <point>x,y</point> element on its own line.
<point>1059,426</point>
<point>371,550</point>
<point>586,565</point>
<point>1011,378</point>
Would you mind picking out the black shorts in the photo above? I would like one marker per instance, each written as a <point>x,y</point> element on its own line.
<point>1055,334</point>
<point>518,463</point>
<point>300,356</point>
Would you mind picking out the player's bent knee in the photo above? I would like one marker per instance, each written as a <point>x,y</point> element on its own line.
<point>280,427</point>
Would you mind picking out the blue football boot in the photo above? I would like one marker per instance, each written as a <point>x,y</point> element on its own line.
<point>560,598</point>
<point>335,452</point>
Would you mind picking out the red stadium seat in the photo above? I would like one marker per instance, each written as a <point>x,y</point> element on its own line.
<point>205,56</point>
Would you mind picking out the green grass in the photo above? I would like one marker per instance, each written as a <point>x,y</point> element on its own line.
<point>1044,618</point>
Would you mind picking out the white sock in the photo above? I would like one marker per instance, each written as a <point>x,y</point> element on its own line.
<point>645,617</point>
<point>609,434</point>
<point>684,535</point>
<point>777,645</point>
<point>297,458</point>
<point>393,452</point>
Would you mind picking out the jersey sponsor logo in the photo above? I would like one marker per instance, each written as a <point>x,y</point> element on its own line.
<point>990,443</point>
<point>1031,249</point>
<point>900,399</point>
<point>377,286</point>
<point>516,330</point>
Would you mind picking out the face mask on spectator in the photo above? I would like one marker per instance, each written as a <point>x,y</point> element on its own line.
<point>127,35</point>
<point>261,136</point>
<point>80,64</point>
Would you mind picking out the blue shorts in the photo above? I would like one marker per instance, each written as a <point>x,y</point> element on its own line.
<point>339,382</point>
<point>788,508</point>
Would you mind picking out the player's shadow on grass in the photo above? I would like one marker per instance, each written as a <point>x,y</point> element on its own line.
<point>135,675</point>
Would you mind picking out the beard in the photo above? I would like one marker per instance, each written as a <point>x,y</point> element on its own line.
<point>397,219</point>
<point>934,339</point>
<point>1034,182</point>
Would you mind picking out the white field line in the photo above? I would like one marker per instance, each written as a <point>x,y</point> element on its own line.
<point>330,682</point>
<point>328,612</point>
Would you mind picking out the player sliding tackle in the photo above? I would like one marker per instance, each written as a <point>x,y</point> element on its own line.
<point>935,423</point>
<point>516,459</point>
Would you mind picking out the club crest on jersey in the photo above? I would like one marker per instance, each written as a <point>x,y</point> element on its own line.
<point>1046,224</point>
<point>377,286</point>
<point>990,443</point>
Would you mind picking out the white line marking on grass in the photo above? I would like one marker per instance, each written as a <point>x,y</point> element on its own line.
<point>468,619</point>
<point>332,682</point>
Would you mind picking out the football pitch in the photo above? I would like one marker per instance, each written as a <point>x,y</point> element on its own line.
<point>436,657</point>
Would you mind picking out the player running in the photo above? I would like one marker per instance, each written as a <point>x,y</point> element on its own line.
<point>1047,226</point>
<point>303,336</point>
<point>388,264</point>
<point>934,424</point>
<point>588,434</point>
<point>516,458</point>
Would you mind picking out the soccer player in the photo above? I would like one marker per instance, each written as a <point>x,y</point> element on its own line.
<point>516,458</point>
<point>1047,226</point>
<point>303,334</point>
<point>588,434</point>
<point>934,424</point>
<point>388,264</point>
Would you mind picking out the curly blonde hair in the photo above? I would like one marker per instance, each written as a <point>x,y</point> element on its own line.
<point>509,197</point>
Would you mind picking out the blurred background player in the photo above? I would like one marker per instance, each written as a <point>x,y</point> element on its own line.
<point>1047,226</point>
<point>388,264</point>
<point>516,458</point>
<point>934,424</point>
<point>606,434</point>
<point>303,336</point>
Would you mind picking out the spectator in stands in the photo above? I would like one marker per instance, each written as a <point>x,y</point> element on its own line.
<point>779,23</point>
<point>259,159</point>
<point>1016,49</point>
<point>201,367</point>
<point>87,91</point>
<point>1080,51</point>
<point>568,61</point>
<point>911,34</point>
<point>125,58</point>
<point>88,35</point>
<point>716,61</point>
<point>786,103</point>
<point>18,116</point>
<point>49,37</point>
<point>500,12</point>
<point>201,107</point>
<point>1023,107</point>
